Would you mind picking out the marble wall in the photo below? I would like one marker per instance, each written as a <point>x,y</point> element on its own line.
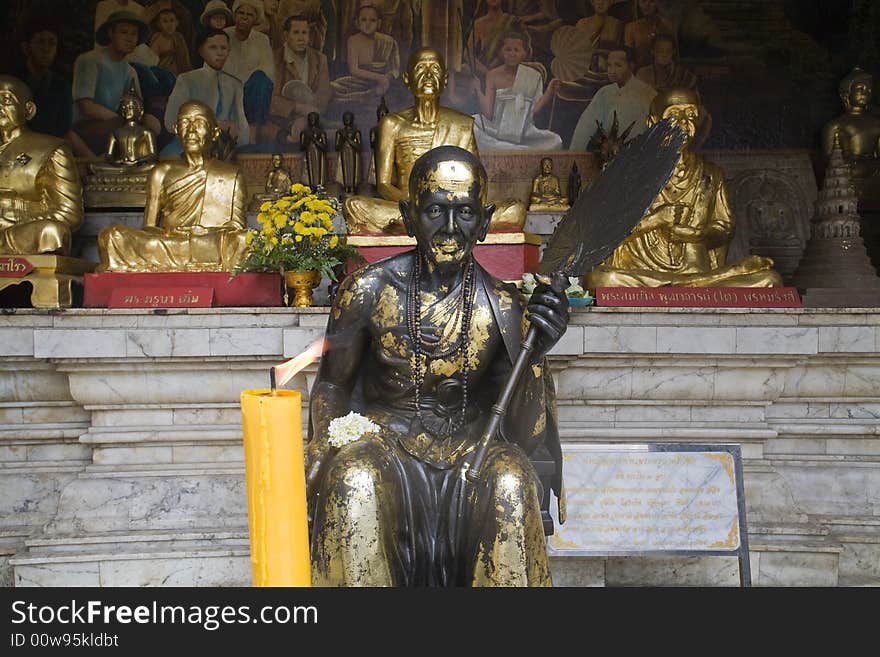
<point>121,456</point>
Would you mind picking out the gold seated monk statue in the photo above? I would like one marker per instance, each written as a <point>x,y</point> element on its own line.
<point>546,193</point>
<point>683,239</point>
<point>40,192</point>
<point>858,132</point>
<point>405,136</point>
<point>194,219</point>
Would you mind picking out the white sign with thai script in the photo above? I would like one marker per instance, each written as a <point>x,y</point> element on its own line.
<point>626,498</point>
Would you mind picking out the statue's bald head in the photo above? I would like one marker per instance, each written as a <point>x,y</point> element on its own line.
<point>193,107</point>
<point>451,168</point>
<point>196,126</point>
<point>669,98</point>
<point>16,102</point>
<point>426,73</point>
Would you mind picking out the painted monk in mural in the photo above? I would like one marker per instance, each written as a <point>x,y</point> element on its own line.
<point>373,62</point>
<point>421,344</point>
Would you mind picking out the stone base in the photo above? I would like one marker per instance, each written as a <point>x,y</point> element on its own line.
<point>56,282</point>
<point>504,255</point>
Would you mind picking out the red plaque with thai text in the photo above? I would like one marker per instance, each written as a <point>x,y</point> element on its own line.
<point>698,297</point>
<point>161,297</point>
<point>15,267</point>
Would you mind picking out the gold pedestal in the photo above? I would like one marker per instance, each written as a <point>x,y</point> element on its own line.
<point>51,277</point>
<point>116,190</point>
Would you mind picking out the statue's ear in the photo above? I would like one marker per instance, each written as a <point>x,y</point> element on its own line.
<point>407,219</point>
<point>488,213</point>
<point>30,110</point>
<point>405,79</point>
<point>215,133</point>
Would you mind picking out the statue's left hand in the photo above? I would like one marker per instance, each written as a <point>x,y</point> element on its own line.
<point>679,233</point>
<point>548,313</point>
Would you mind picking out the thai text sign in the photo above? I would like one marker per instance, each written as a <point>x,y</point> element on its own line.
<point>626,498</point>
<point>699,297</point>
<point>15,267</point>
<point>161,297</point>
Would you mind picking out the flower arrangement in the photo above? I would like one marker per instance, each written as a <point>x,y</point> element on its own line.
<point>577,295</point>
<point>296,235</point>
<point>349,428</point>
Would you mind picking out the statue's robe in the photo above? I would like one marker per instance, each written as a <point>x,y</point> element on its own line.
<point>393,509</point>
<point>40,195</point>
<point>202,227</point>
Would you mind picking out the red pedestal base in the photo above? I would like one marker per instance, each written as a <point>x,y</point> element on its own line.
<point>699,297</point>
<point>181,290</point>
<point>504,255</point>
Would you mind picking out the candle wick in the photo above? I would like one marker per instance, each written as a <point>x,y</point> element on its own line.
<point>272,379</point>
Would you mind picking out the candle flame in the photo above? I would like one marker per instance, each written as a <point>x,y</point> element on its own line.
<point>287,370</point>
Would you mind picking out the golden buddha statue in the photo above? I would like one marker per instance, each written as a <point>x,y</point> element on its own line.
<point>121,180</point>
<point>40,192</point>
<point>405,136</point>
<point>194,219</point>
<point>858,132</point>
<point>683,239</point>
<point>546,193</point>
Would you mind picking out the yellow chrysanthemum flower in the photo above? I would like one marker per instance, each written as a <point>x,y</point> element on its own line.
<point>299,238</point>
<point>265,207</point>
<point>249,238</point>
<point>262,217</point>
<point>280,220</point>
<point>273,240</point>
<point>334,242</point>
<point>299,227</point>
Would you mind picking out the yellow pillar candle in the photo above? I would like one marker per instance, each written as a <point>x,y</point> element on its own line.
<point>276,487</point>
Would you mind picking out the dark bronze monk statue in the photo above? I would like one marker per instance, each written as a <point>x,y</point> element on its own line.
<point>421,343</point>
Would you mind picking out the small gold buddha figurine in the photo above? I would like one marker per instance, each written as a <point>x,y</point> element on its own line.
<point>405,136</point>
<point>683,239</point>
<point>194,219</point>
<point>278,183</point>
<point>40,191</point>
<point>546,192</point>
<point>858,132</point>
<point>120,181</point>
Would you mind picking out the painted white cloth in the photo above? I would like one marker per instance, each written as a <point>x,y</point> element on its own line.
<point>512,126</point>
<point>252,54</point>
<point>632,102</point>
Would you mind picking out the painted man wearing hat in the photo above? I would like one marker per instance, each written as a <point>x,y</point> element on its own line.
<point>101,76</point>
<point>251,60</point>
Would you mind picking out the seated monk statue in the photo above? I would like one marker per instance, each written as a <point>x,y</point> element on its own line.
<point>421,344</point>
<point>858,132</point>
<point>405,136</point>
<point>194,219</point>
<point>546,193</point>
<point>40,192</point>
<point>132,145</point>
<point>683,239</point>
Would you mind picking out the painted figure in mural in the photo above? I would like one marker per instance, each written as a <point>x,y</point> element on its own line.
<point>395,19</point>
<point>514,94</point>
<point>373,61</point>
<point>216,16</point>
<point>100,78</point>
<point>40,192</point>
<point>421,344</point>
<point>403,137</point>
<point>251,60</point>
<point>683,238</point>
<point>540,19</point>
<point>546,193</point>
<point>302,83</point>
<point>311,9</point>
<point>484,42</point>
<point>604,32</point>
<point>152,9</point>
<point>663,71</point>
<point>858,132</point>
<point>194,219</point>
<point>168,43</point>
<point>640,33</point>
<point>132,145</point>
<point>212,85</point>
<point>313,142</point>
<point>627,97</point>
<point>51,91</point>
<point>349,147</point>
<point>273,23</point>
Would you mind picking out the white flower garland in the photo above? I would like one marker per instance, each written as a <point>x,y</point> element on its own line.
<point>350,428</point>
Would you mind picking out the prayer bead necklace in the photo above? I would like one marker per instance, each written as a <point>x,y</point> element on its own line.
<point>413,318</point>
